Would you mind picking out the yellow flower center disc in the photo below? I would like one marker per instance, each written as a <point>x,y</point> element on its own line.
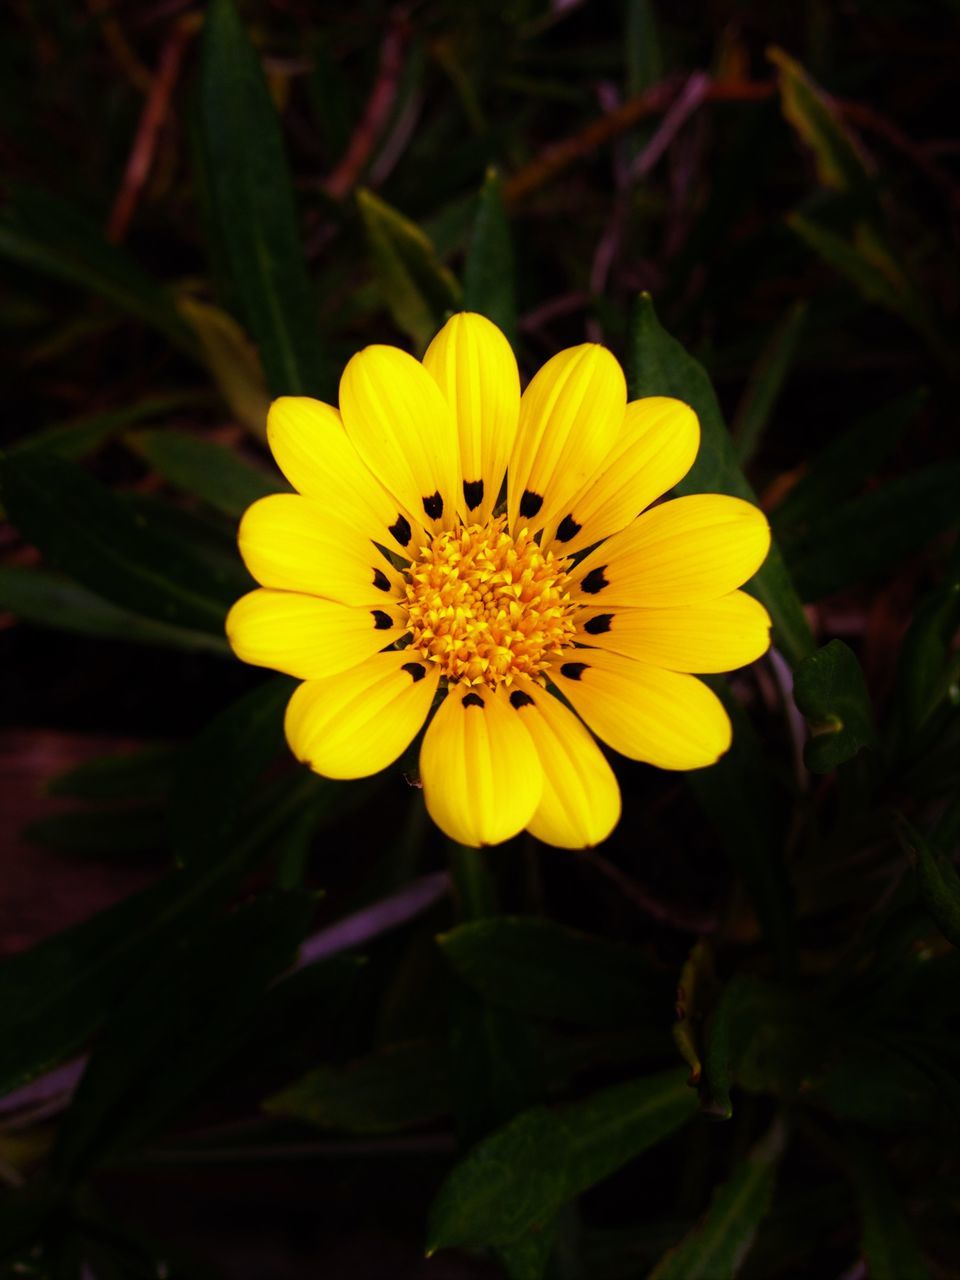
<point>488,607</point>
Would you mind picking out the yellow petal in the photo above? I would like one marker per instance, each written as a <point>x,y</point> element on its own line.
<point>570,416</point>
<point>654,451</point>
<point>312,450</point>
<point>482,777</point>
<point>717,635</point>
<point>661,717</point>
<point>306,637</point>
<point>401,426</point>
<point>580,804</point>
<point>476,370</point>
<point>292,543</point>
<point>358,722</point>
<point>691,549</point>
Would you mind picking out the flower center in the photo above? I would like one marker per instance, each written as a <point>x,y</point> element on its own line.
<point>488,607</point>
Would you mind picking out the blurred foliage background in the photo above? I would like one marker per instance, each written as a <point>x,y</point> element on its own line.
<point>256,1024</point>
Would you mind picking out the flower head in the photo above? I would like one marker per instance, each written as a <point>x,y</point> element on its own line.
<point>452,540</point>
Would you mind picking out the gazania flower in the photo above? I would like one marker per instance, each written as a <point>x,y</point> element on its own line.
<point>398,581</point>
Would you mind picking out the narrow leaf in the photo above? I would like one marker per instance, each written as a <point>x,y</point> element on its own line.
<point>926,664</point>
<point>840,161</point>
<point>741,795</point>
<point>188,1011</point>
<point>41,233</point>
<point>89,533</point>
<point>846,462</point>
<point>659,366</point>
<point>54,996</point>
<point>830,691</point>
<point>218,769</point>
<point>251,199</point>
<point>889,1246</point>
<point>863,538</point>
<point>488,278</point>
<point>233,361</point>
<point>716,1248</point>
<point>205,469</point>
<point>766,382</point>
<point>544,970</point>
<point>418,290</point>
<point>393,1089</point>
<point>86,435</point>
<point>47,600</point>
<point>938,880</point>
<point>143,774</point>
<point>867,263</point>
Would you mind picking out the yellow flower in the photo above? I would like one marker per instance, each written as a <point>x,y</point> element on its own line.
<point>395,573</point>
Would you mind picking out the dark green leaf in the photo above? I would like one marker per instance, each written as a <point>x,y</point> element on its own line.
<point>85,435</point>
<point>48,600</point>
<point>830,691</point>
<point>840,163</point>
<point>144,774</point>
<point>614,1125</point>
<point>861,539</point>
<point>509,1184</point>
<point>766,382</point>
<point>739,795</point>
<point>54,996</point>
<point>185,1016</point>
<point>846,461</point>
<point>217,771</point>
<point>495,1060</point>
<point>205,469</point>
<point>659,366</point>
<point>887,1241</point>
<point>938,879</point>
<point>643,51</point>
<point>926,664</point>
<point>488,278</point>
<point>39,232</point>
<point>868,263</point>
<point>251,198</point>
<point>418,290</point>
<point>514,1182</point>
<point>716,1248</point>
<point>544,970</point>
<point>696,979</point>
<point>868,1083</point>
<point>396,1088</point>
<point>100,833</point>
<point>89,533</point>
<point>760,1037</point>
<point>529,1257</point>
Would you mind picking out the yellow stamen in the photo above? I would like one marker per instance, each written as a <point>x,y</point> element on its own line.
<point>489,607</point>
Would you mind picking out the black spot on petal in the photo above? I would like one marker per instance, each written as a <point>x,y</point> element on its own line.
<point>595,581</point>
<point>380,580</point>
<point>416,670</point>
<point>433,506</point>
<point>530,503</point>
<point>381,621</point>
<point>472,700</point>
<point>573,670</point>
<point>568,528</point>
<point>473,493</point>
<point>520,699</point>
<point>401,530</point>
<point>598,625</point>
